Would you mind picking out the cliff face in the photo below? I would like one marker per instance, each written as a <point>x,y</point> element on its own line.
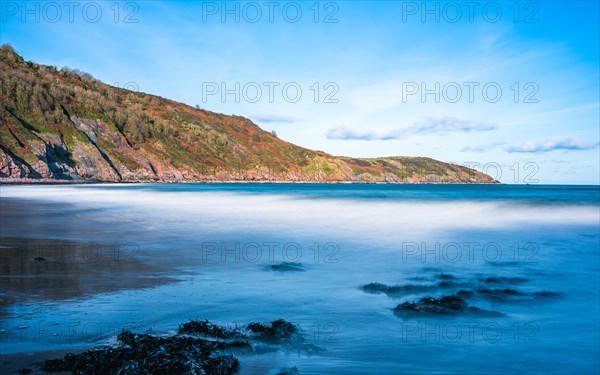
<point>65,125</point>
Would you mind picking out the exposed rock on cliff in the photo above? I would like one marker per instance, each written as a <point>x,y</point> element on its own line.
<point>66,125</point>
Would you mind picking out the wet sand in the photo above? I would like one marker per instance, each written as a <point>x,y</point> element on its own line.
<point>42,270</point>
<point>13,363</point>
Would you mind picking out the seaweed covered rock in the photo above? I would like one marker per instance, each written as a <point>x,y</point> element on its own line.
<point>503,280</point>
<point>395,290</point>
<point>206,328</point>
<point>506,295</point>
<point>275,335</point>
<point>465,293</point>
<point>499,294</point>
<point>481,288</point>
<point>280,332</point>
<point>277,332</point>
<point>445,306</point>
<point>545,294</point>
<point>147,354</point>
<point>183,353</point>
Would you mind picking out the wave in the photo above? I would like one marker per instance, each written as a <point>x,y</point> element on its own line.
<point>348,218</point>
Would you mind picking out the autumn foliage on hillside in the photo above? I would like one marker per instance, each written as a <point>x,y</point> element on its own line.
<point>64,124</point>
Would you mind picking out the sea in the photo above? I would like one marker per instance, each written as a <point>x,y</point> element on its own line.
<point>350,264</point>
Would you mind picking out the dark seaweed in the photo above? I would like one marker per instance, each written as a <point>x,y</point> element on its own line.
<point>545,294</point>
<point>288,267</point>
<point>206,328</point>
<point>277,332</point>
<point>451,305</point>
<point>396,290</point>
<point>499,294</point>
<point>147,354</point>
<point>181,353</point>
<point>503,280</point>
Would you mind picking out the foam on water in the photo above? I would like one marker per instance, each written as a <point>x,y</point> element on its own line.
<point>360,219</point>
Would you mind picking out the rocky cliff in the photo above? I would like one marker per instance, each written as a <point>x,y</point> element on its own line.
<point>66,125</point>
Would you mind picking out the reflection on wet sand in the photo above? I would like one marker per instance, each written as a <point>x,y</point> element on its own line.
<point>34,269</point>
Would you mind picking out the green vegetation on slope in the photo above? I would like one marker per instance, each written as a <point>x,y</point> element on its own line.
<point>64,124</point>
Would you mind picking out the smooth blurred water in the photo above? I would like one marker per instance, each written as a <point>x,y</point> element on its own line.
<point>150,257</point>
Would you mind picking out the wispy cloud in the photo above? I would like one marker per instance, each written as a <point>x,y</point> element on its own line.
<point>432,125</point>
<point>481,148</point>
<point>450,124</point>
<point>569,144</point>
<point>342,132</point>
<point>273,118</point>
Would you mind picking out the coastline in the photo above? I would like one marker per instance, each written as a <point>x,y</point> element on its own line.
<point>25,181</point>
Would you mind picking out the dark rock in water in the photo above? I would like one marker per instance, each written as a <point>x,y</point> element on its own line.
<point>506,294</point>
<point>445,276</point>
<point>289,371</point>
<point>288,267</point>
<point>147,354</point>
<point>222,365</point>
<point>281,332</point>
<point>450,284</point>
<point>278,332</point>
<point>25,371</point>
<point>445,306</point>
<point>506,291</point>
<point>182,354</point>
<point>545,294</point>
<point>375,288</point>
<point>499,294</point>
<point>418,278</point>
<point>466,293</point>
<point>396,290</point>
<point>40,259</point>
<point>206,328</point>
<point>503,280</point>
<point>504,263</point>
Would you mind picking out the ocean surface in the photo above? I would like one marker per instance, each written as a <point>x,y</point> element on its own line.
<point>81,262</point>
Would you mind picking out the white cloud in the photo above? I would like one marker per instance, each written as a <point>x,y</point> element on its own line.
<point>269,118</point>
<point>569,144</point>
<point>431,125</point>
<point>481,148</point>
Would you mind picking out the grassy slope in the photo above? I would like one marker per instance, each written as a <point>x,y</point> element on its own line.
<point>64,124</point>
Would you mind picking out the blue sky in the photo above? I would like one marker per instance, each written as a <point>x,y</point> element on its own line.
<point>509,87</point>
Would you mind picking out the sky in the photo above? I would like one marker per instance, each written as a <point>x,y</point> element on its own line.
<point>511,88</point>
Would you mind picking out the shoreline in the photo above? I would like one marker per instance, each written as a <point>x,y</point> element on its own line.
<point>23,181</point>
<point>13,362</point>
